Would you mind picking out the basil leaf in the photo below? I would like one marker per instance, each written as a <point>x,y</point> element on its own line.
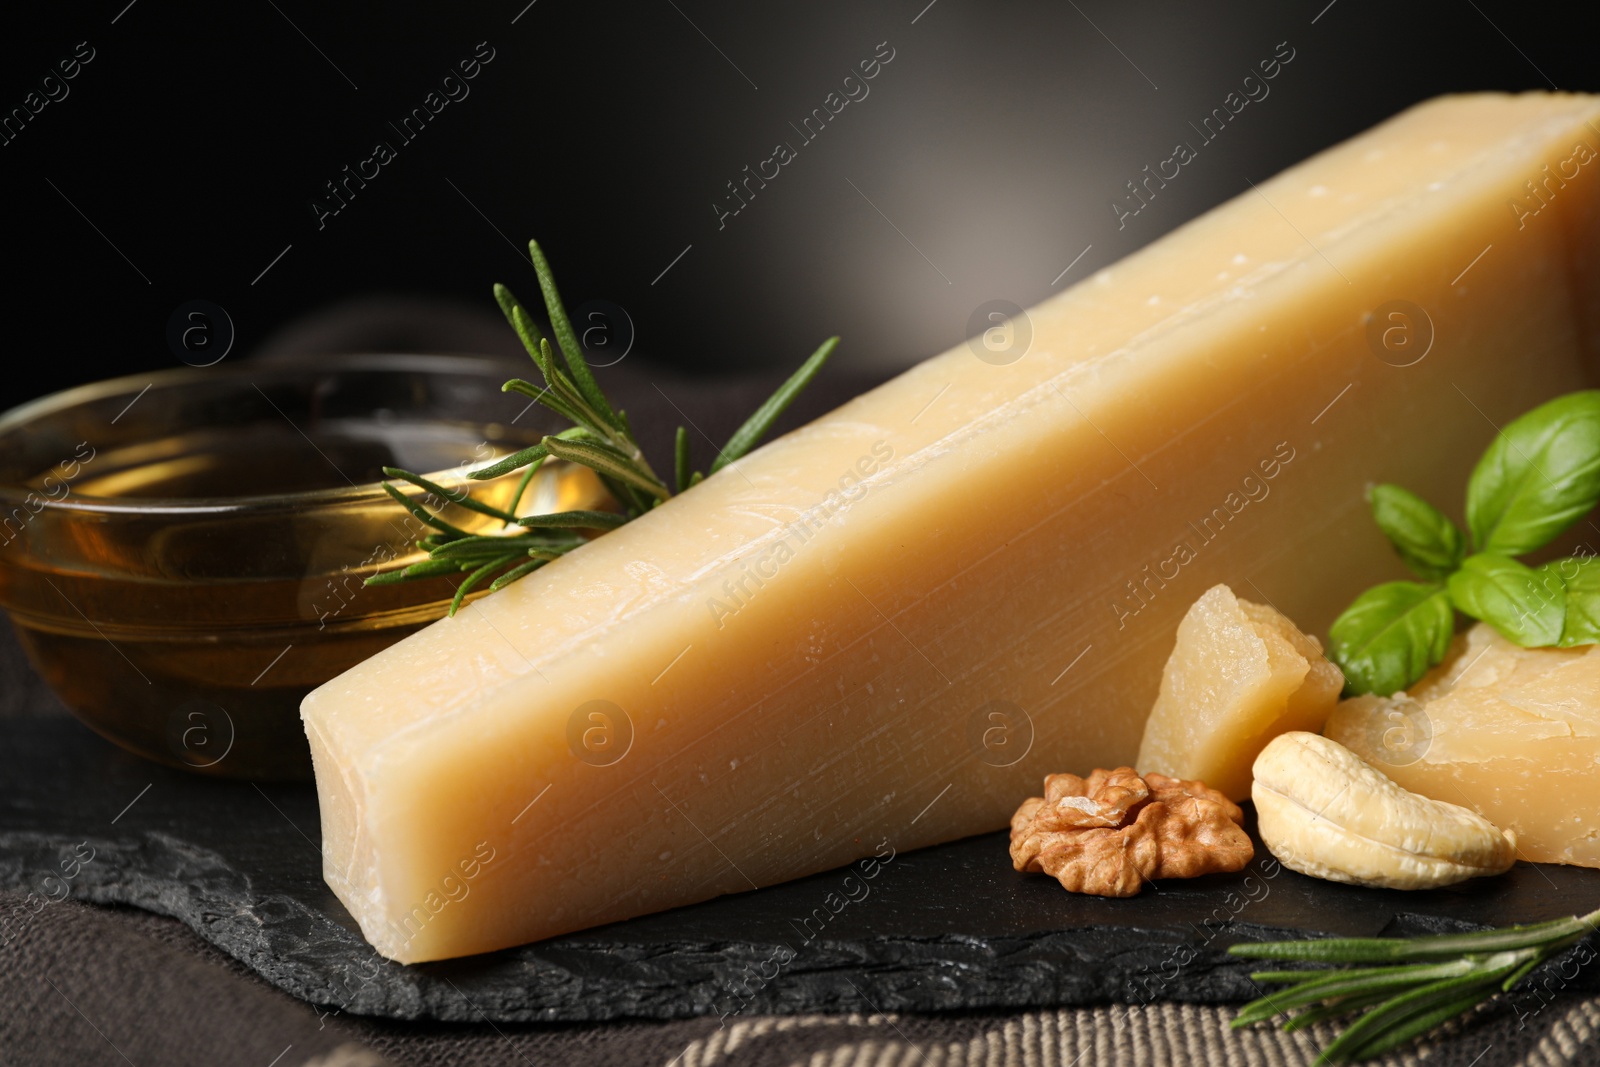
<point>1581,578</point>
<point>1541,474</point>
<point>1525,605</point>
<point>1429,543</point>
<point>1391,635</point>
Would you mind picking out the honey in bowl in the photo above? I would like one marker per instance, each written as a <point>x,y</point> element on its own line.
<point>184,562</point>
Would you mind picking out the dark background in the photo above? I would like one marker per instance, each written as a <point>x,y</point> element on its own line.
<point>984,160</point>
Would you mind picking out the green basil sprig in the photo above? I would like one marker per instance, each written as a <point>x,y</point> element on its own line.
<point>1431,545</point>
<point>1538,477</point>
<point>1528,606</point>
<point>1541,475</point>
<point>1391,635</point>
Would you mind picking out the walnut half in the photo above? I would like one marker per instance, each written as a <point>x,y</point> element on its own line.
<point>1110,833</point>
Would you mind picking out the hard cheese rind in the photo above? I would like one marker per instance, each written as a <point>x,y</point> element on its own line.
<point>880,630</point>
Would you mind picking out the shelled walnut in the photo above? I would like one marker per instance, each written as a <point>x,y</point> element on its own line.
<point>1110,833</point>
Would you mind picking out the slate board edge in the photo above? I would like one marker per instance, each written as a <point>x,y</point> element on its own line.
<point>283,941</point>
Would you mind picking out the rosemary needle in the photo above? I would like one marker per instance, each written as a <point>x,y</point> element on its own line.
<point>1409,986</point>
<point>600,439</point>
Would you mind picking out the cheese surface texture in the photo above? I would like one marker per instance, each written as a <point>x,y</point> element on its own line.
<point>881,630</point>
<point>1239,675</point>
<point>1512,733</point>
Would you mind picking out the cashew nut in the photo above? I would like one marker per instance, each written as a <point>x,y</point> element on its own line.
<point>1325,812</point>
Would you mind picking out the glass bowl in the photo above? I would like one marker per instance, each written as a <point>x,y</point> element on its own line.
<point>182,553</point>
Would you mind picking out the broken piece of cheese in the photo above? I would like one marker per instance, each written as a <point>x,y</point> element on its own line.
<point>884,628</point>
<point>1239,675</point>
<point>1512,733</point>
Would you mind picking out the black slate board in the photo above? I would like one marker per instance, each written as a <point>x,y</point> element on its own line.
<point>951,927</point>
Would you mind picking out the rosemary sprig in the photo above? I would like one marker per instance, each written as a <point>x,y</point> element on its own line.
<point>1409,986</point>
<point>600,439</point>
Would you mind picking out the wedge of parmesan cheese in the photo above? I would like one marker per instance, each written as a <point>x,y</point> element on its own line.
<point>887,626</point>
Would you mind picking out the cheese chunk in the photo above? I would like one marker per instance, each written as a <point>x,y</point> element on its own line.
<point>1239,675</point>
<point>882,629</point>
<point>1512,733</point>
